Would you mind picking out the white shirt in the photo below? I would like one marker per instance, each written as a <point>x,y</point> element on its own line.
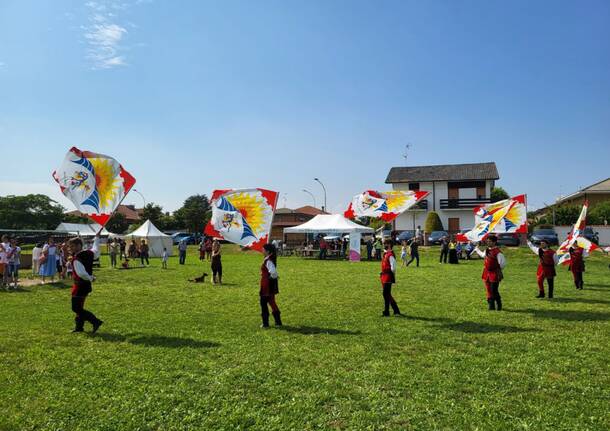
<point>36,252</point>
<point>79,268</point>
<point>164,256</point>
<point>393,264</point>
<point>271,268</point>
<point>15,259</point>
<point>4,257</point>
<point>501,258</point>
<point>536,251</point>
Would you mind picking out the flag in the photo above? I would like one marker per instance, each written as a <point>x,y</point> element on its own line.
<point>384,205</point>
<point>575,236</point>
<point>243,216</point>
<point>505,216</point>
<point>95,183</point>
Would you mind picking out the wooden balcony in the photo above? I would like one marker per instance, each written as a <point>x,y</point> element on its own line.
<point>450,204</point>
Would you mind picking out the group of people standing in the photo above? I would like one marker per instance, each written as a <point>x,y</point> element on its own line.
<point>10,261</point>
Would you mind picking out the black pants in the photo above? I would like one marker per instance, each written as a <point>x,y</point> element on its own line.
<point>322,253</point>
<point>182,257</point>
<point>143,257</point>
<point>388,300</point>
<point>578,280</point>
<point>82,315</point>
<point>414,256</point>
<point>444,255</point>
<point>493,295</point>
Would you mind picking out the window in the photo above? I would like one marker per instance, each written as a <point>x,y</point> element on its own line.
<point>414,187</point>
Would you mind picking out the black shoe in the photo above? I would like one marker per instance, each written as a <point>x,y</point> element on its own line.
<point>385,314</point>
<point>491,304</point>
<point>96,326</point>
<point>499,304</point>
<point>540,295</point>
<point>78,330</point>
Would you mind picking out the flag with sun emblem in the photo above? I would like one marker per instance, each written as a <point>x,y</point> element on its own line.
<point>243,217</point>
<point>384,205</point>
<point>506,216</point>
<point>576,236</point>
<point>95,183</point>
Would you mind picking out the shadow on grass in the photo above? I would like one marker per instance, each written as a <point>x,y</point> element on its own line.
<point>154,340</point>
<point>570,315</point>
<point>18,289</point>
<point>581,300</point>
<point>313,330</point>
<point>467,327</point>
<point>597,285</point>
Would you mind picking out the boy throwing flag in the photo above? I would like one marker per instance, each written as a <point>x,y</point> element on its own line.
<point>388,277</point>
<point>493,265</point>
<point>577,264</point>
<point>546,267</point>
<point>83,276</point>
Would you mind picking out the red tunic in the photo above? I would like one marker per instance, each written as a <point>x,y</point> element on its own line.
<point>387,276</point>
<point>491,267</point>
<point>546,267</point>
<point>269,286</point>
<point>577,263</point>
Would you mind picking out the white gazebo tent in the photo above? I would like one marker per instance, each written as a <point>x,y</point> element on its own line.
<point>335,224</point>
<point>155,239</point>
<point>82,229</point>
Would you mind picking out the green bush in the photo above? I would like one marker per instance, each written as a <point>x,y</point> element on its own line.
<point>433,222</point>
<point>599,213</point>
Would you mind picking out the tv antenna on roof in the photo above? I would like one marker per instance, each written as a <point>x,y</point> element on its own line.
<point>284,197</point>
<point>406,153</point>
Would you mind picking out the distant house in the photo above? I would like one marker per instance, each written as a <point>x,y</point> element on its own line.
<point>131,214</point>
<point>455,190</point>
<point>286,217</point>
<point>595,194</point>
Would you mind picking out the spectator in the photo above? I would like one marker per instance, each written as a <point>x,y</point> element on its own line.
<point>414,251</point>
<point>208,249</point>
<point>369,249</point>
<point>182,246</point>
<point>444,250</point>
<point>48,261</point>
<point>164,258</point>
<point>36,253</point>
<point>323,248</point>
<point>14,262</point>
<point>378,249</point>
<point>453,256</point>
<point>144,253</point>
<point>216,263</point>
<point>113,250</point>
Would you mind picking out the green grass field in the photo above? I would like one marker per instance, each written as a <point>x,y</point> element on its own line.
<point>175,356</point>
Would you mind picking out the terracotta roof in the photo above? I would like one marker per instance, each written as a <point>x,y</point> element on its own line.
<point>309,210</point>
<point>284,211</point>
<point>461,172</point>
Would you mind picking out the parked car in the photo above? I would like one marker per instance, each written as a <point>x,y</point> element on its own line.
<point>436,236</point>
<point>548,235</point>
<point>511,239</point>
<point>591,235</point>
<point>405,235</point>
<point>181,236</point>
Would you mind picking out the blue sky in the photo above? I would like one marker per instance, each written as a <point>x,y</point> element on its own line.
<point>196,95</point>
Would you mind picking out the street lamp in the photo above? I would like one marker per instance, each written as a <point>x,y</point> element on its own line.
<point>324,188</point>
<point>312,196</point>
<point>143,198</point>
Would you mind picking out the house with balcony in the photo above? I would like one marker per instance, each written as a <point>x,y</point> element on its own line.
<point>455,190</point>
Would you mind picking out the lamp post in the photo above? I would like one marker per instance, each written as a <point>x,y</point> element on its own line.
<point>323,188</point>
<point>312,196</point>
<point>142,196</point>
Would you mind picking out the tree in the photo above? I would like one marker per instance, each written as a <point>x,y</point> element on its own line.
<point>566,215</point>
<point>599,214</point>
<point>498,194</point>
<point>376,223</point>
<point>117,223</point>
<point>30,212</point>
<point>433,222</point>
<point>194,214</point>
<point>152,212</point>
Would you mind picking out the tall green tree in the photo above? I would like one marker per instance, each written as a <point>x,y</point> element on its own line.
<point>152,212</point>
<point>30,212</point>
<point>194,214</point>
<point>117,223</point>
<point>566,215</point>
<point>498,194</point>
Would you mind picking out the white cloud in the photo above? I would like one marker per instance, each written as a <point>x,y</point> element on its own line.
<point>105,36</point>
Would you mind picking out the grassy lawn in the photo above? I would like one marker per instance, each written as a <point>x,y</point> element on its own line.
<point>174,355</point>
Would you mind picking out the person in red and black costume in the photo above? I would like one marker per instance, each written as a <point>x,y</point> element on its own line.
<point>82,261</point>
<point>546,268</point>
<point>388,277</point>
<point>577,264</point>
<point>269,286</point>
<point>493,265</point>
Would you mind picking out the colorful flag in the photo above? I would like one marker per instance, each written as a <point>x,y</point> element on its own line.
<point>384,205</point>
<point>95,183</point>
<point>506,216</point>
<point>575,236</point>
<point>243,217</point>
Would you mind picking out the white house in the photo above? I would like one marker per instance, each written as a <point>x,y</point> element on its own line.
<point>455,190</point>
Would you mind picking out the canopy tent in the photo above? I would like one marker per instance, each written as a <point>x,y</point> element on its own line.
<point>334,224</point>
<point>155,239</point>
<point>329,224</point>
<point>82,229</point>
